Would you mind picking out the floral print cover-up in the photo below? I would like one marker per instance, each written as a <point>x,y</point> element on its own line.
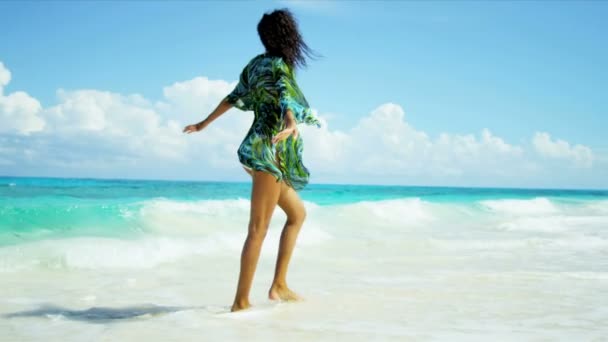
<point>267,86</point>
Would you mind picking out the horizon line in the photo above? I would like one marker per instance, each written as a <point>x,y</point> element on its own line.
<point>320,183</point>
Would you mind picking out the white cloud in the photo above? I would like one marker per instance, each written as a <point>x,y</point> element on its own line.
<point>383,145</point>
<point>5,77</point>
<point>18,111</point>
<point>130,123</point>
<point>93,110</point>
<point>196,96</point>
<point>99,133</point>
<point>580,155</point>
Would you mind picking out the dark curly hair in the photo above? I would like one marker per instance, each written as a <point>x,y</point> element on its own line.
<point>279,33</point>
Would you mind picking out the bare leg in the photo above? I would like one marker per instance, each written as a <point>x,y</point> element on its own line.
<point>293,207</point>
<point>264,197</point>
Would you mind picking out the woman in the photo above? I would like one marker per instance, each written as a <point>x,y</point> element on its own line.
<point>272,149</point>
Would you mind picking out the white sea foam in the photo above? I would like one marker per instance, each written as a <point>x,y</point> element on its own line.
<point>554,223</point>
<point>174,230</point>
<point>562,244</point>
<point>599,207</point>
<point>206,217</point>
<point>402,211</point>
<point>194,218</point>
<point>147,252</point>
<point>536,206</point>
<point>96,253</point>
<point>387,270</point>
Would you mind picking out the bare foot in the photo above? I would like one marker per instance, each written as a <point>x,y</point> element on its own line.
<point>282,292</point>
<point>240,306</point>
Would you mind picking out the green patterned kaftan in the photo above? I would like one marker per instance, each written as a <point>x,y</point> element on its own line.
<point>267,86</point>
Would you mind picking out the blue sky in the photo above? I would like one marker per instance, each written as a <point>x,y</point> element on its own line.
<point>517,69</point>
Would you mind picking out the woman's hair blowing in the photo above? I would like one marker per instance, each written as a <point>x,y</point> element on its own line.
<point>280,36</point>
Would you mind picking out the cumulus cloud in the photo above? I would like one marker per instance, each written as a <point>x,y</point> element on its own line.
<point>18,111</point>
<point>5,77</point>
<point>131,123</point>
<point>384,146</point>
<point>103,133</point>
<point>197,95</point>
<point>579,155</point>
<point>98,133</point>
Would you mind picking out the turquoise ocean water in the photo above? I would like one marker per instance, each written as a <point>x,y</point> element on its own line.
<point>36,208</point>
<point>90,259</point>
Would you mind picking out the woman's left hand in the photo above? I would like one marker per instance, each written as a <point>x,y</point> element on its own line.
<point>194,128</point>
<point>284,134</point>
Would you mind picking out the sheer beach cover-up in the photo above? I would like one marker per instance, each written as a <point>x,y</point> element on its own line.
<point>267,86</point>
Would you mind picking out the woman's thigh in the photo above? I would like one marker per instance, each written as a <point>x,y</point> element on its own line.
<point>288,201</point>
<point>265,194</point>
<point>291,204</point>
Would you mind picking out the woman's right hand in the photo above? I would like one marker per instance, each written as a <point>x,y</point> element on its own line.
<point>194,128</point>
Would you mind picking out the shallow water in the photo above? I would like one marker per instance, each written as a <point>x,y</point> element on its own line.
<point>126,260</point>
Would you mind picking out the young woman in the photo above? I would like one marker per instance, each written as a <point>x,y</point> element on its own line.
<point>272,149</point>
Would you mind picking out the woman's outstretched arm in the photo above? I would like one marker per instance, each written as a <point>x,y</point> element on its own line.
<point>221,108</point>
